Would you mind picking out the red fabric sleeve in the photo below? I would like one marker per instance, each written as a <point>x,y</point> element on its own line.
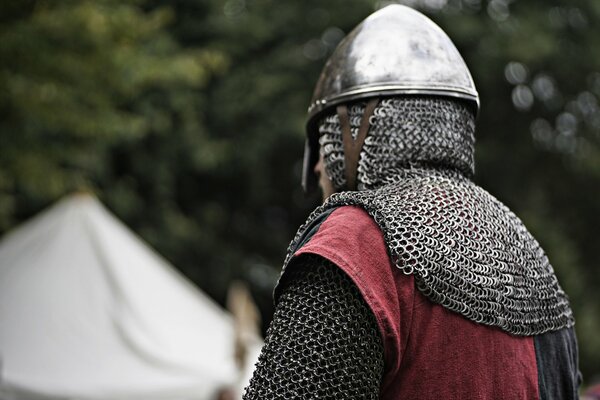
<point>351,239</point>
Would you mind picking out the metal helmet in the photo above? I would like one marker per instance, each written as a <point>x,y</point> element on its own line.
<point>394,51</point>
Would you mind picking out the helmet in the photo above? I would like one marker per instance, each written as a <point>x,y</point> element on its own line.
<point>394,51</point>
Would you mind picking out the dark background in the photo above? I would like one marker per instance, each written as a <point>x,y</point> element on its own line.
<point>186,119</point>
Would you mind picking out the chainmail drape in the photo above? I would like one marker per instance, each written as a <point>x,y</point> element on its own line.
<point>467,250</point>
<point>323,342</point>
<point>402,131</point>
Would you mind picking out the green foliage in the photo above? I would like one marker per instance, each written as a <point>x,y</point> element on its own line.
<point>187,117</point>
<point>76,79</point>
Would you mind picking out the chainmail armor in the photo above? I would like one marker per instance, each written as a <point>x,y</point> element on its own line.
<point>323,342</point>
<point>467,250</point>
<point>444,135</point>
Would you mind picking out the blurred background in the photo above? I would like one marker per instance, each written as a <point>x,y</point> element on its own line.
<point>186,119</point>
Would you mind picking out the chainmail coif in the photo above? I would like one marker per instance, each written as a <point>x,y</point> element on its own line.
<point>402,131</point>
<point>467,250</point>
<point>323,342</point>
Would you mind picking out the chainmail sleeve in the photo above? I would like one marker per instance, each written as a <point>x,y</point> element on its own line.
<point>323,343</point>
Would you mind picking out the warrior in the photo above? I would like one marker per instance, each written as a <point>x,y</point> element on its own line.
<point>410,281</point>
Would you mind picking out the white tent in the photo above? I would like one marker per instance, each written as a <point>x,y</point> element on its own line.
<point>88,311</point>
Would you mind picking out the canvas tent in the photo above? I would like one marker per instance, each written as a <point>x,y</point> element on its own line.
<point>88,311</point>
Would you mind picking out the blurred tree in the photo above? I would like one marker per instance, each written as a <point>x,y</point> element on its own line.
<point>246,210</point>
<point>78,79</point>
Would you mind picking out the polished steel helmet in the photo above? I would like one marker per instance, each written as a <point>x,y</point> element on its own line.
<point>394,51</point>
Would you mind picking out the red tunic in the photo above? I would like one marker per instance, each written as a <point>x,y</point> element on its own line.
<point>430,352</point>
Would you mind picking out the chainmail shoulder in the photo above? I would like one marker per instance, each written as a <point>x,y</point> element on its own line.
<point>323,342</point>
<point>466,250</point>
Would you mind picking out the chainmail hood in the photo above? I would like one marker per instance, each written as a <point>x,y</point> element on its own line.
<point>467,250</point>
<point>402,131</point>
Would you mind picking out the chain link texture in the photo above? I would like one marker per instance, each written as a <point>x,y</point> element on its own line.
<point>323,342</point>
<point>402,130</point>
<point>467,250</point>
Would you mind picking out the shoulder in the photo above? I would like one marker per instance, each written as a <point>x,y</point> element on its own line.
<point>350,239</point>
<point>348,236</point>
<point>348,221</point>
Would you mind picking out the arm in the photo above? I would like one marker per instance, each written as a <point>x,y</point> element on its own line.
<point>324,341</point>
